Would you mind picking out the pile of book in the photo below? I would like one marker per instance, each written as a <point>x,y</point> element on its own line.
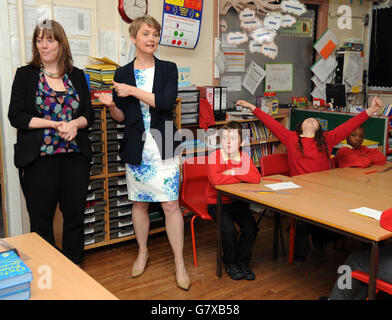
<point>101,76</point>
<point>15,277</point>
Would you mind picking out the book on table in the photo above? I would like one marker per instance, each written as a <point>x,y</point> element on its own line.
<point>15,276</point>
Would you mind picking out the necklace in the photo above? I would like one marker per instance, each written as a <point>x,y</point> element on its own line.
<point>52,75</point>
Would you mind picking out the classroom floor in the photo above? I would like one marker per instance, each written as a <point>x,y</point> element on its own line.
<point>111,266</point>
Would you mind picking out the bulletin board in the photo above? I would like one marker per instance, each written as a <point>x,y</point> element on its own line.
<point>375,127</point>
<point>292,48</point>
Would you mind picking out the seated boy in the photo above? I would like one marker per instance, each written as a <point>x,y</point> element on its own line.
<point>226,166</point>
<point>357,155</point>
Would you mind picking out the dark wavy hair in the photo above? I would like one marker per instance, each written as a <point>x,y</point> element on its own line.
<point>318,138</point>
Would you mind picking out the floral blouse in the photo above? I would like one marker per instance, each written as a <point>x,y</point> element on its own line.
<point>56,106</point>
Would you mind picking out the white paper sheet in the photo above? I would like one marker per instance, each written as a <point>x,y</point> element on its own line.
<point>323,68</point>
<point>235,59</point>
<point>325,38</point>
<point>233,83</point>
<point>107,44</point>
<point>75,21</point>
<point>33,16</point>
<point>371,213</point>
<point>253,77</point>
<point>283,186</point>
<point>13,20</point>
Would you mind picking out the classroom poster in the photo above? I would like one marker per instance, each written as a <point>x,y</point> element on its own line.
<point>181,21</point>
<point>303,27</point>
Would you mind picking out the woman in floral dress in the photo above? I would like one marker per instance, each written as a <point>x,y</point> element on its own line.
<point>144,93</point>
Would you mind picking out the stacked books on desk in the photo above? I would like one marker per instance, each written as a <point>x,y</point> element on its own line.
<point>15,277</point>
<point>101,75</point>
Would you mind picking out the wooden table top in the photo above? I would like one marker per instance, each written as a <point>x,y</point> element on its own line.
<point>327,196</point>
<point>68,281</point>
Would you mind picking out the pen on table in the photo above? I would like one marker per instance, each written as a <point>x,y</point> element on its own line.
<point>265,191</point>
<point>369,172</point>
<point>270,179</point>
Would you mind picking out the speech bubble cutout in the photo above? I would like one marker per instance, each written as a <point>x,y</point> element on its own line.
<point>293,6</point>
<point>250,25</point>
<point>288,21</point>
<point>236,38</point>
<point>273,21</point>
<point>247,14</point>
<point>270,50</point>
<point>254,46</point>
<point>262,35</point>
<point>223,25</point>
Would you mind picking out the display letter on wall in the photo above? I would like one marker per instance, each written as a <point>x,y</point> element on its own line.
<point>181,21</point>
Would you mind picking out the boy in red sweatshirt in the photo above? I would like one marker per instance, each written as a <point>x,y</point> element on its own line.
<point>357,155</point>
<point>230,165</point>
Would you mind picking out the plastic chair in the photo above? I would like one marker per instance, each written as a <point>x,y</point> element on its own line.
<point>380,284</point>
<point>193,193</point>
<point>270,165</point>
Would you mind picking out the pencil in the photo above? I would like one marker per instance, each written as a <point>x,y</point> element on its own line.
<point>270,179</point>
<point>371,172</point>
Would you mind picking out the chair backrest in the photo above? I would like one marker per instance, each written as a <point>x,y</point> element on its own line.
<point>274,164</point>
<point>193,193</point>
<point>335,163</point>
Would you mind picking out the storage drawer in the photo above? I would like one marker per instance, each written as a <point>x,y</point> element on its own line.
<point>113,146</point>
<point>116,167</point>
<point>94,238</point>
<point>122,232</point>
<point>118,191</point>
<point>118,202</point>
<point>94,206</point>
<point>97,158</point>
<point>95,195</point>
<point>98,113</point>
<point>96,184</point>
<point>121,222</point>
<point>117,181</point>
<point>96,169</point>
<point>95,217</point>
<point>115,134</point>
<point>94,227</point>
<point>97,125</point>
<point>120,212</point>
<point>113,157</point>
<point>95,136</point>
<point>97,147</point>
<point>113,124</point>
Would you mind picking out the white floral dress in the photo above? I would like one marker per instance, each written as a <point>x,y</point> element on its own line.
<point>153,180</point>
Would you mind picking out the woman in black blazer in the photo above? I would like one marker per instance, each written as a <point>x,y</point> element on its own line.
<point>144,94</point>
<point>51,108</point>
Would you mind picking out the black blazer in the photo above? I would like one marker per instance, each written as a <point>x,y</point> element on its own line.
<point>22,109</point>
<point>165,88</point>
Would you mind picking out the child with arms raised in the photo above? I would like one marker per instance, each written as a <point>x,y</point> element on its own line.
<point>226,166</point>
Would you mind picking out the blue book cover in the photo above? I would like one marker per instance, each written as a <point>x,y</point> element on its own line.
<point>20,295</point>
<point>13,270</point>
<point>7,293</point>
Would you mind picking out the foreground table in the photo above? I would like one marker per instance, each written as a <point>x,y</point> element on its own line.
<point>325,199</point>
<point>55,277</point>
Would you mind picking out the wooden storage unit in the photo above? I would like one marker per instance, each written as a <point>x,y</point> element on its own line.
<point>108,213</point>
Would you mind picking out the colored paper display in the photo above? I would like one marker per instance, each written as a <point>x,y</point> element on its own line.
<point>181,21</point>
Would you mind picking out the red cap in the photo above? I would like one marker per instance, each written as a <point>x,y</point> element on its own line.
<point>386,219</point>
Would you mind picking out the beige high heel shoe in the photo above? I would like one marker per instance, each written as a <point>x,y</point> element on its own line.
<point>139,271</point>
<point>183,284</point>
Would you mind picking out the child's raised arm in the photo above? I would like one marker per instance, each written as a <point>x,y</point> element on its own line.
<point>280,131</point>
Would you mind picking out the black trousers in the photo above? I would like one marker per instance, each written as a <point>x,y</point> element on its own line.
<point>62,179</point>
<point>236,249</point>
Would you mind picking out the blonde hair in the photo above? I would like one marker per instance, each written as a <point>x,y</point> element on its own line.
<point>148,20</point>
<point>53,30</point>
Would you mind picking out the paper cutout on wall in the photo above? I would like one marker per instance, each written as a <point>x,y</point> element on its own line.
<point>288,21</point>
<point>293,6</point>
<point>247,14</point>
<point>236,38</point>
<point>270,50</point>
<point>273,21</point>
<point>262,35</point>
<point>250,25</point>
<point>254,46</point>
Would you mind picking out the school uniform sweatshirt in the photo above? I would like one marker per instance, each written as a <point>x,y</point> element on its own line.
<point>219,162</point>
<point>311,160</point>
<point>362,157</point>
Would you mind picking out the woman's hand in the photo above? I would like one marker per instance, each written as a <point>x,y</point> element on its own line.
<point>67,130</point>
<point>106,99</point>
<point>123,90</point>
<point>374,107</point>
<point>245,104</point>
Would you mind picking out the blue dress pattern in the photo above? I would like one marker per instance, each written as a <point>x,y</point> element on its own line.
<point>153,180</point>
